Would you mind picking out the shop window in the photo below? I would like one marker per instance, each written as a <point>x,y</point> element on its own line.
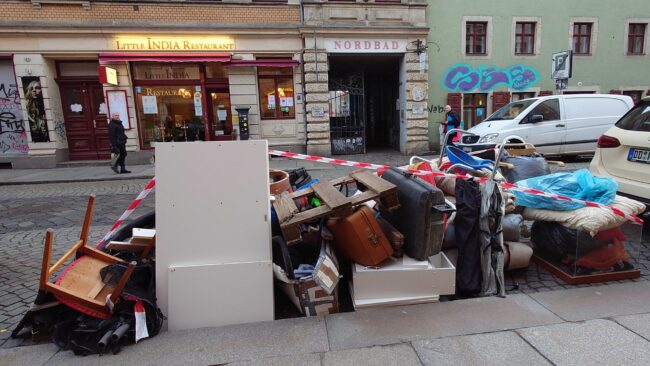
<point>520,96</point>
<point>636,95</point>
<point>476,38</point>
<point>216,70</point>
<point>276,92</point>
<point>549,109</point>
<point>170,113</point>
<point>165,71</point>
<point>71,69</point>
<point>636,39</point>
<point>582,38</point>
<point>525,38</point>
<point>474,109</point>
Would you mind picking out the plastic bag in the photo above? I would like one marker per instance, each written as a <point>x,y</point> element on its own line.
<point>579,185</point>
<point>560,242</point>
<point>525,167</point>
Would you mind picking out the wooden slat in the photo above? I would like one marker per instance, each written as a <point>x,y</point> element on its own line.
<point>149,247</point>
<point>99,255</point>
<point>91,304</point>
<point>85,229</point>
<point>98,287</point>
<point>331,197</point>
<point>373,182</point>
<point>47,255</point>
<point>307,216</point>
<point>126,247</point>
<point>65,257</point>
<point>284,206</point>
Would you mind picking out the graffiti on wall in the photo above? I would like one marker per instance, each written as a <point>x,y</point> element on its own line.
<point>35,108</point>
<point>464,78</point>
<point>13,137</point>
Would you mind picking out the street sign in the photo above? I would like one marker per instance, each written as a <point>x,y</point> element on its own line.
<point>562,65</point>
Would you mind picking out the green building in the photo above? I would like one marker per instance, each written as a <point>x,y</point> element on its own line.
<point>484,54</point>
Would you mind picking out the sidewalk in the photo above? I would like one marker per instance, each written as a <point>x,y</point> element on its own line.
<point>606,325</point>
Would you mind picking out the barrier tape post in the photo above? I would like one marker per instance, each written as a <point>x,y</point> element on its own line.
<point>505,185</point>
<point>129,210</point>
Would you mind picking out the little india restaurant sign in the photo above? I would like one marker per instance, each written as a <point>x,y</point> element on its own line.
<point>193,43</point>
<point>365,45</point>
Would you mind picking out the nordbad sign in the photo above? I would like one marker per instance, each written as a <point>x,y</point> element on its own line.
<point>189,43</point>
<point>365,45</point>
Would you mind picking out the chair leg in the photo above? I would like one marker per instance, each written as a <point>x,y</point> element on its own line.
<point>117,291</point>
<point>47,254</point>
<point>85,229</point>
<point>149,247</point>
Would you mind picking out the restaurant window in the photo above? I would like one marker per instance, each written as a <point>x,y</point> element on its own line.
<point>216,70</point>
<point>169,102</point>
<point>525,38</point>
<point>276,92</point>
<point>476,38</point>
<point>636,95</point>
<point>636,39</point>
<point>520,96</point>
<point>582,38</point>
<point>474,109</point>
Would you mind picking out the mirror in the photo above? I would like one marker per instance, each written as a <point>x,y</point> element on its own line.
<point>536,118</point>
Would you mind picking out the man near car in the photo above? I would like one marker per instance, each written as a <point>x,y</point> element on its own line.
<point>452,120</point>
<point>118,139</point>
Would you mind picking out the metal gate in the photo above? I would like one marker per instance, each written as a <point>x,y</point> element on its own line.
<point>347,113</point>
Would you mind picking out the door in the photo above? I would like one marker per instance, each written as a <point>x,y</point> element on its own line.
<point>347,113</point>
<point>219,114</point>
<point>86,123</point>
<point>549,134</point>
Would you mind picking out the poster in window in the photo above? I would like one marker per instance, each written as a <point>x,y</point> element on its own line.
<point>149,104</point>
<point>35,108</point>
<point>117,104</point>
<point>270,104</point>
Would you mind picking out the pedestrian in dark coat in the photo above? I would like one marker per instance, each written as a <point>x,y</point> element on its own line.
<point>118,142</point>
<point>452,120</point>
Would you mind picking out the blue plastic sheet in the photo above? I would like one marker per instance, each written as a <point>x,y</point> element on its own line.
<point>579,185</point>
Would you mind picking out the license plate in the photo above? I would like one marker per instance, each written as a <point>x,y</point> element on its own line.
<point>467,149</point>
<point>642,156</point>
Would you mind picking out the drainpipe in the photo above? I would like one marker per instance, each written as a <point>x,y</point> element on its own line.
<point>302,70</point>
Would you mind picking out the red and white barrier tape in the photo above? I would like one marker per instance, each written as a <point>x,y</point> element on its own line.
<point>129,210</point>
<point>509,186</point>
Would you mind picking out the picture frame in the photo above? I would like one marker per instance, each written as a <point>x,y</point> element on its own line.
<point>116,101</point>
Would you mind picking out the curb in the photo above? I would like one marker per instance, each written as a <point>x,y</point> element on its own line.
<point>132,177</point>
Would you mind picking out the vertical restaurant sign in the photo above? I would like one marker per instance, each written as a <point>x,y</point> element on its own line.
<point>174,43</point>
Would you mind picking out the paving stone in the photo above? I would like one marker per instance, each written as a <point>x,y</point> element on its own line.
<point>400,354</point>
<point>639,324</point>
<point>211,346</point>
<point>594,342</point>
<point>299,360</point>
<point>32,356</point>
<point>426,321</point>
<point>597,301</point>
<point>498,349</point>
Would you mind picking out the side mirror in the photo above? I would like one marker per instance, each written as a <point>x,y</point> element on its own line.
<point>536,118</point>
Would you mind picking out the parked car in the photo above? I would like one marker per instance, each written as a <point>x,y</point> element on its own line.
<point>624,153</point>
<point>556,125</point>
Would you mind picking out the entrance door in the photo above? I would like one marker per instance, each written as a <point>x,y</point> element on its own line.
<point>347,113</point>
<point>219,114</point>
<point>86,123</point>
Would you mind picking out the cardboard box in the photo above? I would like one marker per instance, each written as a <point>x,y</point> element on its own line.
<point>306,294</point>
<point>403,281</point>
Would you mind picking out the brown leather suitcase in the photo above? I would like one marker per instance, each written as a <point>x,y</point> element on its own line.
<point>359,238</point>
<point>395,238</point>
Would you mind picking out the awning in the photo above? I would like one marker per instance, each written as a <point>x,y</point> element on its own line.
<point>164,56</point>
<point>273,62</point>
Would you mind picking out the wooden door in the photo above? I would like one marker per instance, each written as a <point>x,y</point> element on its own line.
<point>85,120</point>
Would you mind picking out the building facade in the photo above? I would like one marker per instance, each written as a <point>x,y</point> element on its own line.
<point>323,77</point>
<point>482,57</point>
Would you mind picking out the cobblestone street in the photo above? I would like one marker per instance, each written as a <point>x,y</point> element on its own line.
<point>26,211</point>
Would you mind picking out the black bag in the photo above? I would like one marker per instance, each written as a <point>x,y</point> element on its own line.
<point>467,229</point>
<point>557,241</point>
<point>525,167</point>
<point>415,218</point>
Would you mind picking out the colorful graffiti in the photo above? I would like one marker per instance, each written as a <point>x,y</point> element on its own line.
<point>463,78</point>
<point>13,137</point>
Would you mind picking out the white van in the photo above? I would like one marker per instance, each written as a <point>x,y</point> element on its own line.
<point>555,124</point>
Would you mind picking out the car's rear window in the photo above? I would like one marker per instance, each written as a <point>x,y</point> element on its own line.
<point>637,119</point>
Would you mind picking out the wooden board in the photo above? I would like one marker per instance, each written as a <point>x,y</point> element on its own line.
<point>585,279</point>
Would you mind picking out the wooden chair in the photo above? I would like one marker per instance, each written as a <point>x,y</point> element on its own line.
<point>81,286</point>
<point>143,241</point>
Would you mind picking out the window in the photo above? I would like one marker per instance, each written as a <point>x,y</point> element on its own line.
<point>636,39</point>
<point>520,96</point>
<point>276,92</point>
<point>474,109</point>
<point>549,109</point>
<point>637,119</point>
<point>476,38</point>
<point>636,95</point>
<point>525,38</point>
<point>582,38</point>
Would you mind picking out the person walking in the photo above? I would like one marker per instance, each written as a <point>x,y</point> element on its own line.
<point>117,138</point>
<point>452,120</point>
